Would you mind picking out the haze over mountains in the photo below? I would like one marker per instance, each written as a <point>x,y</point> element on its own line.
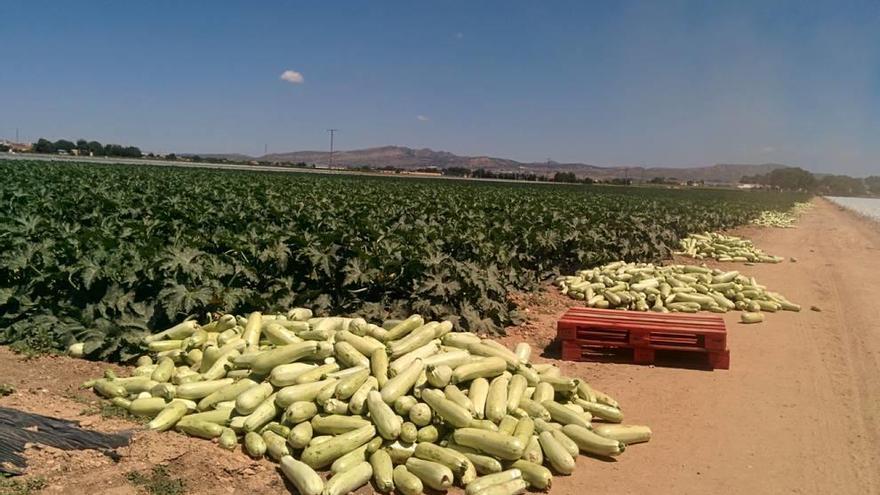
<point>409,158</point>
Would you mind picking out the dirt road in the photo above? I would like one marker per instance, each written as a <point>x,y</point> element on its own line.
<point>798,412</point>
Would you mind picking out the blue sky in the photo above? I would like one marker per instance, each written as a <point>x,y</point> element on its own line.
<point>614,83</point>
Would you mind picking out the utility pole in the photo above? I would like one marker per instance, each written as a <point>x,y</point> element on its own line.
<point>332,132</point>
<point>265,149</point>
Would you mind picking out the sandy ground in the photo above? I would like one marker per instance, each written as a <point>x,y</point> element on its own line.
<point>798,412</point>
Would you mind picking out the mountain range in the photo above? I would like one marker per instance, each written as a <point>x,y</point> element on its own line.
<point>409,159</point>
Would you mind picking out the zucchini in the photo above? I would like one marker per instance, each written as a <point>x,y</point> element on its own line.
<point>405,482</point>
<point>477,393</point>
<point>300,392</point>
<point>335,424</point>
<point>146,407</point>
<point>536,475</point>
<point>403,328</point>
<point>250,399</point>
<point>387,423</point>
<point>449,411</point>
<point>483,483</point>
<point>228,440</point>
<point>349,460</point>
<point>321,455</point>
<point>533,452</point>
<point>496,399</point>
<point>454,394</point>
<point>317,373</point>
<point>457,462</point>
<point>409,432</point>
<point>507,425</point>
<point>299,412</point>
<point>535,409</point>
<point>417,338</point>
<point>168,416</point>
<point>523,351</point>
<point>439,376</point>
<point>379,366</point>
<point>228,392</point>
<point>252,330</point>
<point>348,385</point>
<point>402,383</point>
<point>512,487</point>
<point>266,360</point>
<point>348,356</point>
<point>264,413</point>
<point>524,430</point>
<point>515,389</point>
<point>749,317</point>
<point>276,445</point>
<point>287,374</point>
<point>420,414</point>
<point>555,453</point>
<point>404,403</point>
<point>626,434</point>
<point>483,463</point>
<point>301,476</point>
<point>543,391</point>
<point>202,389</point>
<point>497,444</point>
<point>254,445</point>
<point>564,415</point>
<point>383,471</point>
<point>300,435</point>
<point>433,474</point>
<point>407,359</point>
<point>602,411</point>
<point>427,434</point>
<point>566,442</point>
<point>591,442</point>
<point>201,429</point>
<point>485,368</point>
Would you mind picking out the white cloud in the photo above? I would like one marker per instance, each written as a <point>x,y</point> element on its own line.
<point>292,77</point>
<point>459,35</point>
<point>422,118</point>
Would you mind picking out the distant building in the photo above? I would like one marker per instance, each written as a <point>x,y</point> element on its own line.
<point>16,147</point>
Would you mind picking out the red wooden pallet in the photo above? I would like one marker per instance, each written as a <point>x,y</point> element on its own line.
<point>587,332</point>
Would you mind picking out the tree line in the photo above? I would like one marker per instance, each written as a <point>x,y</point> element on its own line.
<point>86,148</point>
<point>798,179</point>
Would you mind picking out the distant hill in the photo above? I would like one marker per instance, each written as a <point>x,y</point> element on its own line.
<point>409,158</point>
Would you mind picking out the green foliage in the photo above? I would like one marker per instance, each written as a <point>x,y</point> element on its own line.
<point>6,389</point>
<point>14,486</point>
<point>103,254</point>
<point>842,185</point>
<point>157,482</point>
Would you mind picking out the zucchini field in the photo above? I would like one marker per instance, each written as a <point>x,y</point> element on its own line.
<point>102,254</point>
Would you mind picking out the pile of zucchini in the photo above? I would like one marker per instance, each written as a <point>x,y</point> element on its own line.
<point>782,219</point>
<point>409,405</point>
<point>722,247</point>
<point>673,288</point>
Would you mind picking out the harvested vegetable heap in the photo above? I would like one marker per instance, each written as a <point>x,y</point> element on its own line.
<point>782,219</point>
<point>675,288</point>
<point>722,247</point>
<point>409,405</point>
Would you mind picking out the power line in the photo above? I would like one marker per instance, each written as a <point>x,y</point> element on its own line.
<point>332,133</point>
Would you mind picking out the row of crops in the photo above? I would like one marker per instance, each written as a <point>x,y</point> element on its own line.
<point>100,253</point>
